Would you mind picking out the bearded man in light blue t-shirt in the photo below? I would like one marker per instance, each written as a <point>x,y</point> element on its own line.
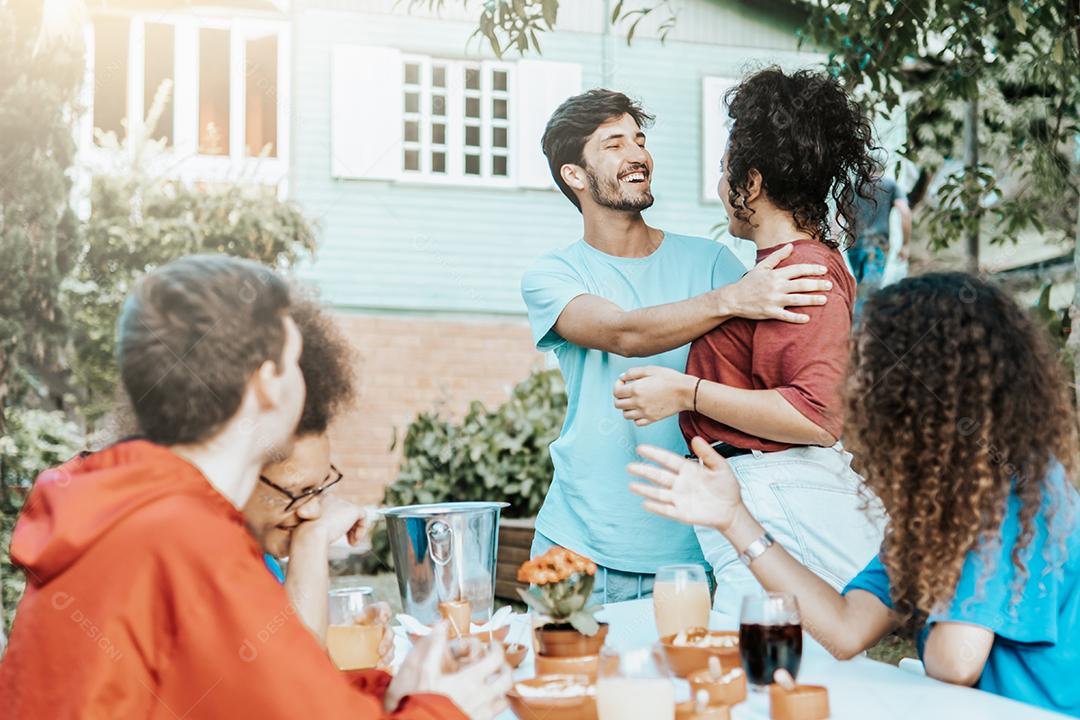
<point>627,290</point>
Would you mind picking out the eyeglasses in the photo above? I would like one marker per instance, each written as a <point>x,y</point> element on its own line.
<point>296,501</point>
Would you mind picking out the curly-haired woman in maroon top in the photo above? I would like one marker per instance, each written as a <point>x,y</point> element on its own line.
<point>766,394</point>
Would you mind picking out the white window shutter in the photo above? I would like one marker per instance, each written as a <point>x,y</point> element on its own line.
<point>366,103</point>
<point>541,87</point>
<point>714,126</point>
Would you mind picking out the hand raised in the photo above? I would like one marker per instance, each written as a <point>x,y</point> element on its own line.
<point>766,291</point>
<point>696,493</point>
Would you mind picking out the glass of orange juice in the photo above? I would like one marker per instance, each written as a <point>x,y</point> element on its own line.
<point>681,599</point>
<point>352,644</point>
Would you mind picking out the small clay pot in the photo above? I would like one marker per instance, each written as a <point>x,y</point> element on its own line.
<point>729,689</point>
<point>563,640</point>
<point>459,615</point>
<point>805,702</point>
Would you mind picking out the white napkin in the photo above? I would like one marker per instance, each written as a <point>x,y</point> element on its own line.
<point>501,617</point>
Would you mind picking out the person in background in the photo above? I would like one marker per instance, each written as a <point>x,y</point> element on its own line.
<point>627,290</point>
<point>869,253</point>
<point>768,394</point>
<point>146,595</point>
<point>960,414</point>
<point>290,512</point>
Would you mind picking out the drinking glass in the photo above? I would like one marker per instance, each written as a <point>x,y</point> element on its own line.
<point>770,637</point>
<point>634,685</point>
<point>352,644</point>
<point>681,599</point>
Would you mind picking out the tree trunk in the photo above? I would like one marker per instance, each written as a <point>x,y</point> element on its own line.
<point>1072,344</point>
<point>971,166</point>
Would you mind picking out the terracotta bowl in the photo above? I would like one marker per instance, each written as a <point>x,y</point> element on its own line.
<point>730,689</point>
<point>685,660</point>
<point>515,653</point>
<point>564,641</point>
<point>526,707</point>
<point>498,636</point>
<point>588,665</point>
<point>805,702</point>
<point>685,711</point>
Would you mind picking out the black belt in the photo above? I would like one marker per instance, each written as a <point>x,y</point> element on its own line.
<point>725,450</point>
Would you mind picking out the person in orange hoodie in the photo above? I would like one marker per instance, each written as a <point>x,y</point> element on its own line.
<point>146,596</point>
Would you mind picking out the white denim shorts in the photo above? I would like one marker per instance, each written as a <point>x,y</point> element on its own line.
<point>813,504</point>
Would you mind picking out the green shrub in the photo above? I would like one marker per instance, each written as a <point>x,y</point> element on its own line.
<point>499,454</point>
<point>35,440</point>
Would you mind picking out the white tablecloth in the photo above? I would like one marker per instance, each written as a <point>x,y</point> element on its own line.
<point>859,689</point>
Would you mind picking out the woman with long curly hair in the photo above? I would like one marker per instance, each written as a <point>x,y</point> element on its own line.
<point>764,393</point>
<point>960,417</point>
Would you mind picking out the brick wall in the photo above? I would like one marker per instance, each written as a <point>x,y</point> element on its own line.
<point>407,365</point>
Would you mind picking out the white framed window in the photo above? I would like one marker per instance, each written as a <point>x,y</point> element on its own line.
<point>715,129</point>
<point>224,117</point>
<point>456,120</point>
<point>416,118</point>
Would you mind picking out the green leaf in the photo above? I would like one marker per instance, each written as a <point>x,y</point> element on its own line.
<point>616,12</point>
<point>535,602</point>
<point>584,623</point>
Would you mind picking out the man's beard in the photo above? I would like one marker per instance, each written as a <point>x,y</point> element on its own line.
<point>610,194</point>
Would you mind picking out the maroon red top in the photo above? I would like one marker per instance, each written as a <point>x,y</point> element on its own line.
<point>805,363</point>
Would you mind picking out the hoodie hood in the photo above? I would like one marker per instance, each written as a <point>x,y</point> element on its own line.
<point>72,506</point>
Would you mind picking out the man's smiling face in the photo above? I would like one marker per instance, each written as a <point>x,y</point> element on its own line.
<point>618,166</point>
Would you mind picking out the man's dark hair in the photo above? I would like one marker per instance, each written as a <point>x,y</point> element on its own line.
<point>327,364</point>
<point>575,120</point>
<point>191,335</point>
<point>809,140</point>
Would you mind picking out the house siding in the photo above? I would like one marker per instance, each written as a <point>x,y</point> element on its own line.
<point>437,248</point>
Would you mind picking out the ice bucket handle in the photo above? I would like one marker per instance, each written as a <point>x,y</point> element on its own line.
<point>440,542</point>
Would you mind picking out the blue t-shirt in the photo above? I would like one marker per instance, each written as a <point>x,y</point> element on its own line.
<point>1035,657</point>
<point>274,567</point>
<point>589,507</point>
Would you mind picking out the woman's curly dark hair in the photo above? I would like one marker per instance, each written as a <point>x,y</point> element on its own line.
<point>956,395</point>
<point>809,140</point>
<point>326,362</point>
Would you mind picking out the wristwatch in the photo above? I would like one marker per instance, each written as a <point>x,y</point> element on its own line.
<point>757,548</point>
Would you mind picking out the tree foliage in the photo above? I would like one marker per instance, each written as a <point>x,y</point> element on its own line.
<point>143,217</point>
<point>39,83</point>
<point>1017,60</point>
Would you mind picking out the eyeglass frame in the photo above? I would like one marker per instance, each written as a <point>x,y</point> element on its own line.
<point>307,494</point>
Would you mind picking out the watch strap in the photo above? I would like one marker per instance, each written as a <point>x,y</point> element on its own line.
<point>757,548</point>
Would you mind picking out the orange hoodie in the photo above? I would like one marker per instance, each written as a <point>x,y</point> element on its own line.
<point>147,598</point>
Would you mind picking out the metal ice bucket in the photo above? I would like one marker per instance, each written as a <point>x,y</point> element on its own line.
<point>445,552</point>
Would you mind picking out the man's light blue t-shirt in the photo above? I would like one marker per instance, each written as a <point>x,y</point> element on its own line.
<point>1035,657</point>
<point>589,507</point>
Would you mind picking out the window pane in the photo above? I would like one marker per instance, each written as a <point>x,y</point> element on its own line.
<point>498,137</point>
<point>213,91</point>
<point>498,108</point>
<point>158,70</point>
<point>438,162</point>
<point>438,134</point>
<point>472,135</point>
<point>472,107</point>
<point>412,131</point>
<point>438,76</point>
<point>472,78</point>
<point>412,159</point>
<point>472,164</point>
<point>412,74</point>
<point>412,102</point>
<point>438,105</point>
<point>261,96</point>
<point>110,73</point>
<point>498,165</point>
<point>498,80</point>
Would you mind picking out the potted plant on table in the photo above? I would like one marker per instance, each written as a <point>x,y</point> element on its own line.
<point>561,583</point>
